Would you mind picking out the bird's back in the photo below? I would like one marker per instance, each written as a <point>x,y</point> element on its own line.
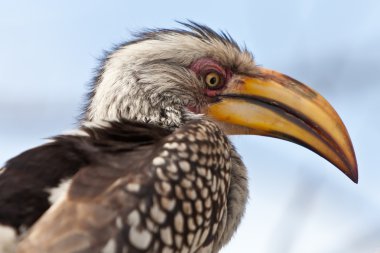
<point>134,186</point>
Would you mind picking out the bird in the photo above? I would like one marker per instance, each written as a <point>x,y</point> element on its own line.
<point>150,167</point>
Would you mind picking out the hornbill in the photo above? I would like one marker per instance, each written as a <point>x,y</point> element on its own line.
<point>150,168</point>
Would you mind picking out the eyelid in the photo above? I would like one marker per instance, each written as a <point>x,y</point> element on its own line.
<point>208,70</point>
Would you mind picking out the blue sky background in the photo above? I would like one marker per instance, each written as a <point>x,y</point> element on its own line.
<point>299,202</point>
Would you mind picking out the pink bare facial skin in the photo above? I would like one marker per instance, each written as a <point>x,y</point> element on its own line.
<point>204,66</point>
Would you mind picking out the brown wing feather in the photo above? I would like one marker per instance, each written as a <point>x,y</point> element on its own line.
<point>85,219</point>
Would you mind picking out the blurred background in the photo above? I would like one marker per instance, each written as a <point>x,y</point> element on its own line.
<point>298,202</point>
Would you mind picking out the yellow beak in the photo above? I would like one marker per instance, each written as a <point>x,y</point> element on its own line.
<point>272,104</point>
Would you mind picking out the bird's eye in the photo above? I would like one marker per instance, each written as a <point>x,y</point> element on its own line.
<point>213,80</point>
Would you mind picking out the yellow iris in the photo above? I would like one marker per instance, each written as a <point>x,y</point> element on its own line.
<point>212,80</point>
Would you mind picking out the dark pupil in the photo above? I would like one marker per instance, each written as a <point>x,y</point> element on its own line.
<point>213,80</point>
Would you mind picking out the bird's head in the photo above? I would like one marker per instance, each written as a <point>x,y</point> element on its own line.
<point>166,77</point>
